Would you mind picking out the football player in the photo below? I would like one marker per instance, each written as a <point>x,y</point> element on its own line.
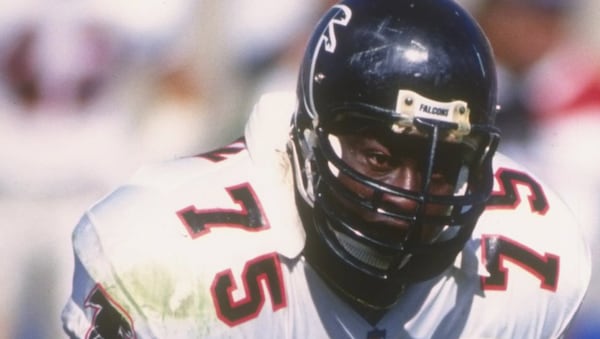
<point>381,211</point>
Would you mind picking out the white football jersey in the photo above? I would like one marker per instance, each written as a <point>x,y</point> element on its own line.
<point>211,246</point>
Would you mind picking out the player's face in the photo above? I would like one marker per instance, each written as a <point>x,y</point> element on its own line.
<point>398,161</point>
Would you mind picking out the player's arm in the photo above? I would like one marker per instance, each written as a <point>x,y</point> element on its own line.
<point>90,311</point>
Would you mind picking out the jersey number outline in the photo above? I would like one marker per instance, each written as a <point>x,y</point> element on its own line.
<point>110,320</point>
<point>497,249</point>
<point>265,269</point>
<point>508,196</point>
<point>250,217</point>
<point>260,275</point>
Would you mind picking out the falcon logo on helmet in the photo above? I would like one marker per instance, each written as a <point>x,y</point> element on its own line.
<point>340,16</point>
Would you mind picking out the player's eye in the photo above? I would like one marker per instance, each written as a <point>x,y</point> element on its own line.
<point>379,161</point>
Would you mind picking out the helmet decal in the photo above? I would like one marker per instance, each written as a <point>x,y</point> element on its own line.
<point>339,15</point>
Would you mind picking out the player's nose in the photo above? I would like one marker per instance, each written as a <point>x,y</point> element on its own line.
<point>406,177</point>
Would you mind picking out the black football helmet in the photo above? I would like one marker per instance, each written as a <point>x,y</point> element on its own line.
<point>421,70</point>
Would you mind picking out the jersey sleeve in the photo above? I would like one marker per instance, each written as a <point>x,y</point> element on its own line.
<point>536,260</point>
<point>139,273</point>
<point>172,253</point>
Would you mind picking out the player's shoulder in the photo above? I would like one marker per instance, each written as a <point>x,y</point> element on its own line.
<point>522,206</point>
<point>155,187</point>
<point>519,193</point>
<point>217,164</point>
<point>531,245</point>
<point>209,202</point>
<point>153,198</point>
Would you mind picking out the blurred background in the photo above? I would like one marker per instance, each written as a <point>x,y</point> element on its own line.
<point>90,90</point>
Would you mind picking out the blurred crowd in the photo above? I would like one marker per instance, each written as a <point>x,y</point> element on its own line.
<point>89,91</point>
